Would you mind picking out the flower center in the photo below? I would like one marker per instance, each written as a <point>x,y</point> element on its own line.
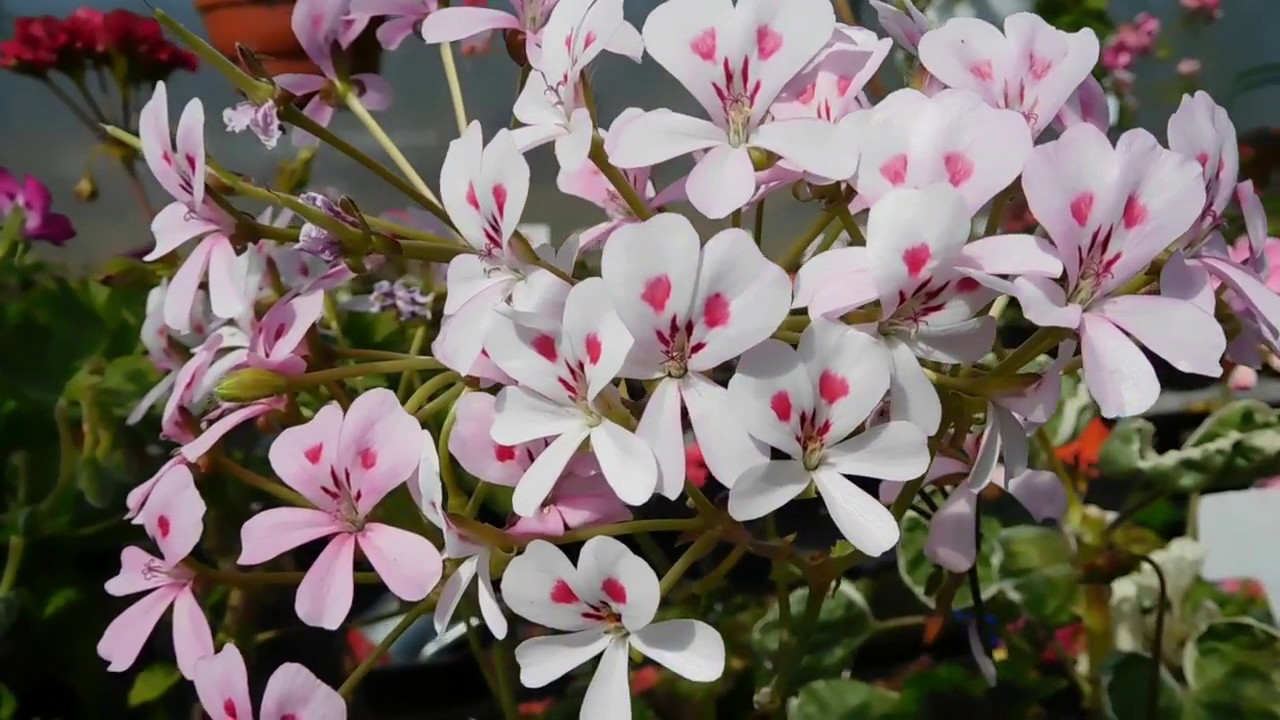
<point>738,113</point>
<point>345,501</point>
<point>812,439</point>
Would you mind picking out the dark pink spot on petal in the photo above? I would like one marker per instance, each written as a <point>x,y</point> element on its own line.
<point>545,345</point>
<point>1203,159</point>
<point>895,169</point>
<point>915,258</point>
<point>966,285</point>
<point>562,594</point>
<point>589,40</point>
<point>768,42</point>
<point>229,709</point>
<point>163,526</point>
<point>1135,213</point>
<point>1081,207</point>
<point>843,83</point>
<point>500,198</point>
<point>614,590</point>
<point>715,313</point>
<point>982,71</point>
<point>504,453</point>
<point>657,290</point>
<point>780,403</point>
<point>832,387</point>
<point>289,716</point>
<point>368,458</point>
<point>959,168</point>
<point>704,45</point>
<point>313,453</point>
<point>1040,67</point>
<point>809,92</point>
<point>472,200</point>
<point>593,348</point>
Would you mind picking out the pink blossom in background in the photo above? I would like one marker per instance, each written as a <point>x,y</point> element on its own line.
<point>1204,9</point>
<point>1130,41</point>
<point>32,197</point>
<point>292,693</point>
<point>1188,67</point>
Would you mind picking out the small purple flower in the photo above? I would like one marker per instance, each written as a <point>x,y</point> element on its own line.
<point>32,197</point>
<point>406,298</point>
<point>263,120</point>
<point>319,241</point>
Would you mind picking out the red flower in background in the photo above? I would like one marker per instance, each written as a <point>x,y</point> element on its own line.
<point>91,38</point>
<point>1084,450</point>
<point>695,467</point>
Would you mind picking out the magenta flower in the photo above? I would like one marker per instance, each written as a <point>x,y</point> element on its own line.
<point>33,199</point>
<point>345,464</point>
<point>173,519</point>
<point>293,692</point>
<point>1031,67</point>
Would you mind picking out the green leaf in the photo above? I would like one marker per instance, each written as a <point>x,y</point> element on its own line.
<point>152,683</point>
<point>916,569</point>
<point>10,607</point>
<point>844,622</point>
<point>8,703</point>
<point>1233,669</point>
<point>1035,571</point>
<point>843,700</point>
<point>60,600</point>
<point>1233,448</point>
<point>1127,679</point>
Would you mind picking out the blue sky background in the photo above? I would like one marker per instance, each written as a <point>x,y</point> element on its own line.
<point>38,136</point>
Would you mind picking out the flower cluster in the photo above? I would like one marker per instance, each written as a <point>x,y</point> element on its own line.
<point>854,363</point>
<point>1131,41</point>
<point>120,41</point>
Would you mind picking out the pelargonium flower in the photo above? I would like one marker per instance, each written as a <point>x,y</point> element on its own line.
<point>319,25</point>
<point>278,341</point>
<point>917,263</point>
<point>565,390</point>
<point>33,199</point>
<point>401,18</point>
<point>428,492</point>
<point>1089,103</point>
<point>1110,212</point>
<point>808,402</point>
<point>581,498</point>
<point>181,172</point>
<point>293,692</point>
<point>173,519</point>
<point>484,189</point>
<point>830,86</point>
<point>344,464</point>
<point>911,140</point>
<point>526,25</point>
<point>1031,67</point>
<point>606,607</point>
<point>734,60</point>
<point>691,307</point>
<point>551,105</point>
<point>262,120</point>
<point>164,347</point>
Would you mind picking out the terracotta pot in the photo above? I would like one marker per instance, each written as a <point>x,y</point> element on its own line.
<point>264,27</point>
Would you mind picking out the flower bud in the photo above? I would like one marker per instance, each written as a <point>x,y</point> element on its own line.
<point>516,47</point>
<point>86,190</point>
<point>762,159</point>
<point>251,384</point>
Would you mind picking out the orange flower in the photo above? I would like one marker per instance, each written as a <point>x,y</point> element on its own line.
<point>1084,450</point>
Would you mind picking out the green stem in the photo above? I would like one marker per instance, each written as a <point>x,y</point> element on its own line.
<point>67,456</point>
<point>295,117</point>
<point>617,179</point>
<point>758,224</point>
<point>94,128</point>
<point>346,372</point>
<point>388,145</point>
<point>850,226</point>
<point>628,528</point>
<point>1074,504</point>
<point>446,399</point>
<point>502,673</point>
<point>998,207</point>
<point>257,90</point>
<point>252,579</point>
<point>789,661</point>
<point>735,219</point>
<point>429,388</point>
<point>457,500</point>
<point>13,561</point>
<point>455,86</point>
<point>415,348</point>
<point>477,651</point>
<point>695,552</point>
<point>254,480</point>
<point>795,253</point>
<point>364,354</point>
<point>477,499</point>
<point>710,579</point>
<point>1040,342</point>
<point>353,680</point>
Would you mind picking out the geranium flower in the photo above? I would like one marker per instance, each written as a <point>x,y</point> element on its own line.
<point>33,199</point>
<point>293,692</point>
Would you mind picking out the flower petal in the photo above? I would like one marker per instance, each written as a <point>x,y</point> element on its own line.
<point>757,293</point>
<point>611,573</point>
<point>545,659</point>
<point>1117,373</point>
<point>540,477</point>
<point>192,638</point>
<point>1188,338</point>
<point>303,456</point>
<point>275,531</point>
<point>660,428</point>
<point>690,648</point>
<point>896,451</point>
<point>379,446</point>
<point>408,563</point>
<point>766,487</point>
<point>541,585</point>
<point>721,182</point>
<point>727,448</point>
<point>222,683</point>
<point>124,637</point>
<point>294,691</point>
<point>626,462</point>
<point>864,522</point>
<point>324,595</point>
<point>609,694</point>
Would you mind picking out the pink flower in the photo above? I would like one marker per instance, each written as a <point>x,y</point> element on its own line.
<point>484,189</point>
<point>565,377</point>
<point>320,25</point>
<point>1087,104</point>
<point>345,465</point>
<point>735,76</point>
<point>1188,67</point>
<point>919,264</point>
<point>278,341</point>
<point>1206,9</point>
<point>690,308</point>
<point>830,87</point>
<point>1110,212</point>
<point>1032,67</point>
<point>606,606</point>
<point>172,518</point>
<point>578,501</point>
<point>808,403</point>
<point>526,24</point>
<point>33,199</point>
<point>181,172</point>
<point>402,17</point>
<point>293,692</point>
